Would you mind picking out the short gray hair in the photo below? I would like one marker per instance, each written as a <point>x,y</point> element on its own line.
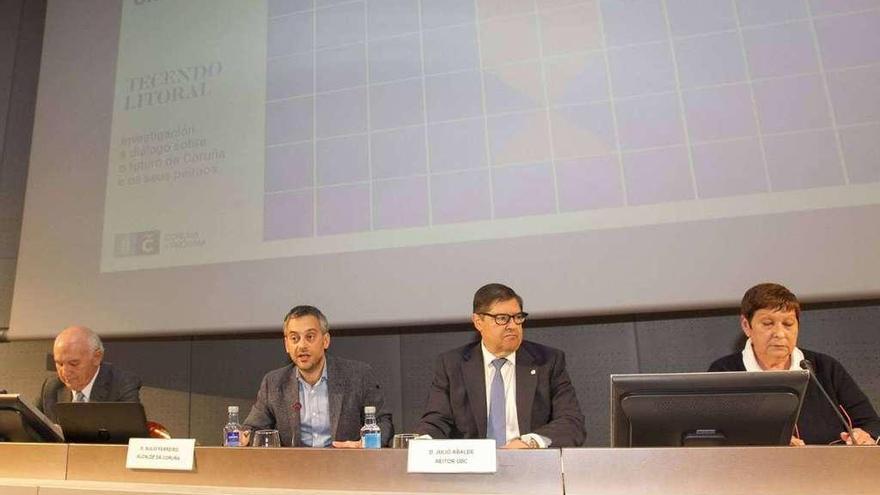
<point>306,310</point>
<point>95,341</point>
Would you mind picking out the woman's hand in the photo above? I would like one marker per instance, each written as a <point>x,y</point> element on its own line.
<point>862,437</point>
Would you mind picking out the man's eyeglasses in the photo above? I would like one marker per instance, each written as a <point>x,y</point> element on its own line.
<point>504,319</point>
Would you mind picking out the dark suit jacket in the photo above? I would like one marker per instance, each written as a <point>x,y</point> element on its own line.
<point>111,385</point>
<point>351,385</point>
<point>546,402</point>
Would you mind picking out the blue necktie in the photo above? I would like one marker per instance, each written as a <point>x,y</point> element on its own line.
<point>497,427</point>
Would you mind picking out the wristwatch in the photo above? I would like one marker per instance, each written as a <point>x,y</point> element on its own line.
<point>530,441</point>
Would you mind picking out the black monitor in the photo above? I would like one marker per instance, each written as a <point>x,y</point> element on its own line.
<point>705,409</point>
<point>21,422</point>
<point>102,422</point>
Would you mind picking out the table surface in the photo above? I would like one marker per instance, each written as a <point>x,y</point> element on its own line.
<point>59,469</point>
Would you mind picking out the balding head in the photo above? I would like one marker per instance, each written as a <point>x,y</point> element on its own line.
<point>78,353</point>
<point>78,333</point>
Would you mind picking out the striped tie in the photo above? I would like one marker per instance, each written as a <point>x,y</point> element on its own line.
<point>80,397</point>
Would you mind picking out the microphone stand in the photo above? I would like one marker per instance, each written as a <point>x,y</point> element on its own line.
<point>807,365</point>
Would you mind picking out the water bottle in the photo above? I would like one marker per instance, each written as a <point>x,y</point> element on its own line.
<point>371,435</point>
<point>232,430</point>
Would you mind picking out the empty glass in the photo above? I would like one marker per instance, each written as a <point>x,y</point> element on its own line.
<point>266,438</point>
<point>401,440</point>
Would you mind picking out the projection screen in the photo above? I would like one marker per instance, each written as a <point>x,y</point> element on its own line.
<point>202,166</point>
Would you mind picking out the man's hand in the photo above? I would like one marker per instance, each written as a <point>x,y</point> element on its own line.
<point>862,437</point>
<point>516,443</point>
<point>244,437</point>
<point>796,442</point>
<point>348,444</point>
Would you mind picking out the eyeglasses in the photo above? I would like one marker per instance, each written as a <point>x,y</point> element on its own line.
<point>504,319</point>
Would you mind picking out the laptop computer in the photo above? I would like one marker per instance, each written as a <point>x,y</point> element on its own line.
<point>21,422</point>
<point>101,422</point>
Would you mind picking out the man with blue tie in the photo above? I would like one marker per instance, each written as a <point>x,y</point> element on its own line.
<point>502,387</point>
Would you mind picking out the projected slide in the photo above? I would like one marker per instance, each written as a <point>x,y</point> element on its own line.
<point>186,154</point>
<point>244,130</point>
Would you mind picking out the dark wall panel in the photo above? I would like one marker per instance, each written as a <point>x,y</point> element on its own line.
<point>22,99</point>
<point>21,40</point>
<point>227,372</point>
<point>164,368</point>
<point>10,20</point>
<point>23,367</point>
<point>418,353</point>
<point>850,335</point>
<point>382,353</point>
<point>685,344</point>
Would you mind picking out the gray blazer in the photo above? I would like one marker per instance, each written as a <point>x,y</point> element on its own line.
<point>111,385</point>
<point>351,386</point>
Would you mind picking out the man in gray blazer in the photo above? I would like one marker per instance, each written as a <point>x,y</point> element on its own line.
<point>81,374</point>
<point>502,387</point>
<point>318,400</point>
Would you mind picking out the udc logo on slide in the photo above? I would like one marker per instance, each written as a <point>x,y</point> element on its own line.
<point>137,243</point>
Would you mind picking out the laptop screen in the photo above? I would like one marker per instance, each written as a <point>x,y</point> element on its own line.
<point>102,422</point>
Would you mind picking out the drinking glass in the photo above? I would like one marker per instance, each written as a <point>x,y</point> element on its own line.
<point>401,440</point>
<point>266,438</point>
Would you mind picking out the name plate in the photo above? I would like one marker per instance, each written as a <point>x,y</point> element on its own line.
<point>159,453</point>
<point>451,456</point>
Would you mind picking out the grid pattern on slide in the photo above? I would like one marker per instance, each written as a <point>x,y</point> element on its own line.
<point>386,114</point>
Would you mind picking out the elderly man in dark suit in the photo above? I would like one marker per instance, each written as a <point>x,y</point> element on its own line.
<point>514,391</point>
<point>82,376</point>
<point>318,400</point>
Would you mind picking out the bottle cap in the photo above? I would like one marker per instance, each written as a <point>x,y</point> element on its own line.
<point>232,409</point>
<point>369,409</point>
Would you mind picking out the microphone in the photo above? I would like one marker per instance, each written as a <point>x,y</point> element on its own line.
<point>807,365</point>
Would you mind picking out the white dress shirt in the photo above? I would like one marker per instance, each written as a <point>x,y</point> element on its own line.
<point>87,390</point>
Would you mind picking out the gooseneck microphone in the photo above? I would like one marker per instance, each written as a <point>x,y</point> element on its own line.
<point>807,365</point>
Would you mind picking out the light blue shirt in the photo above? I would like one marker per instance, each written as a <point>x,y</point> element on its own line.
<point>314,417</point>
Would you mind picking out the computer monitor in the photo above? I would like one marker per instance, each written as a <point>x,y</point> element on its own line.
<point>21,422</point>
<point>101,422</point>
<point>705,409</point>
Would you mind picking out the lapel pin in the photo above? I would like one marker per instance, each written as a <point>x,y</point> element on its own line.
<point>533,372</point>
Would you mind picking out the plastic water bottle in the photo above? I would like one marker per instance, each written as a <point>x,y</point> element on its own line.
<point>371,435</point>
<point>232,430</point>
